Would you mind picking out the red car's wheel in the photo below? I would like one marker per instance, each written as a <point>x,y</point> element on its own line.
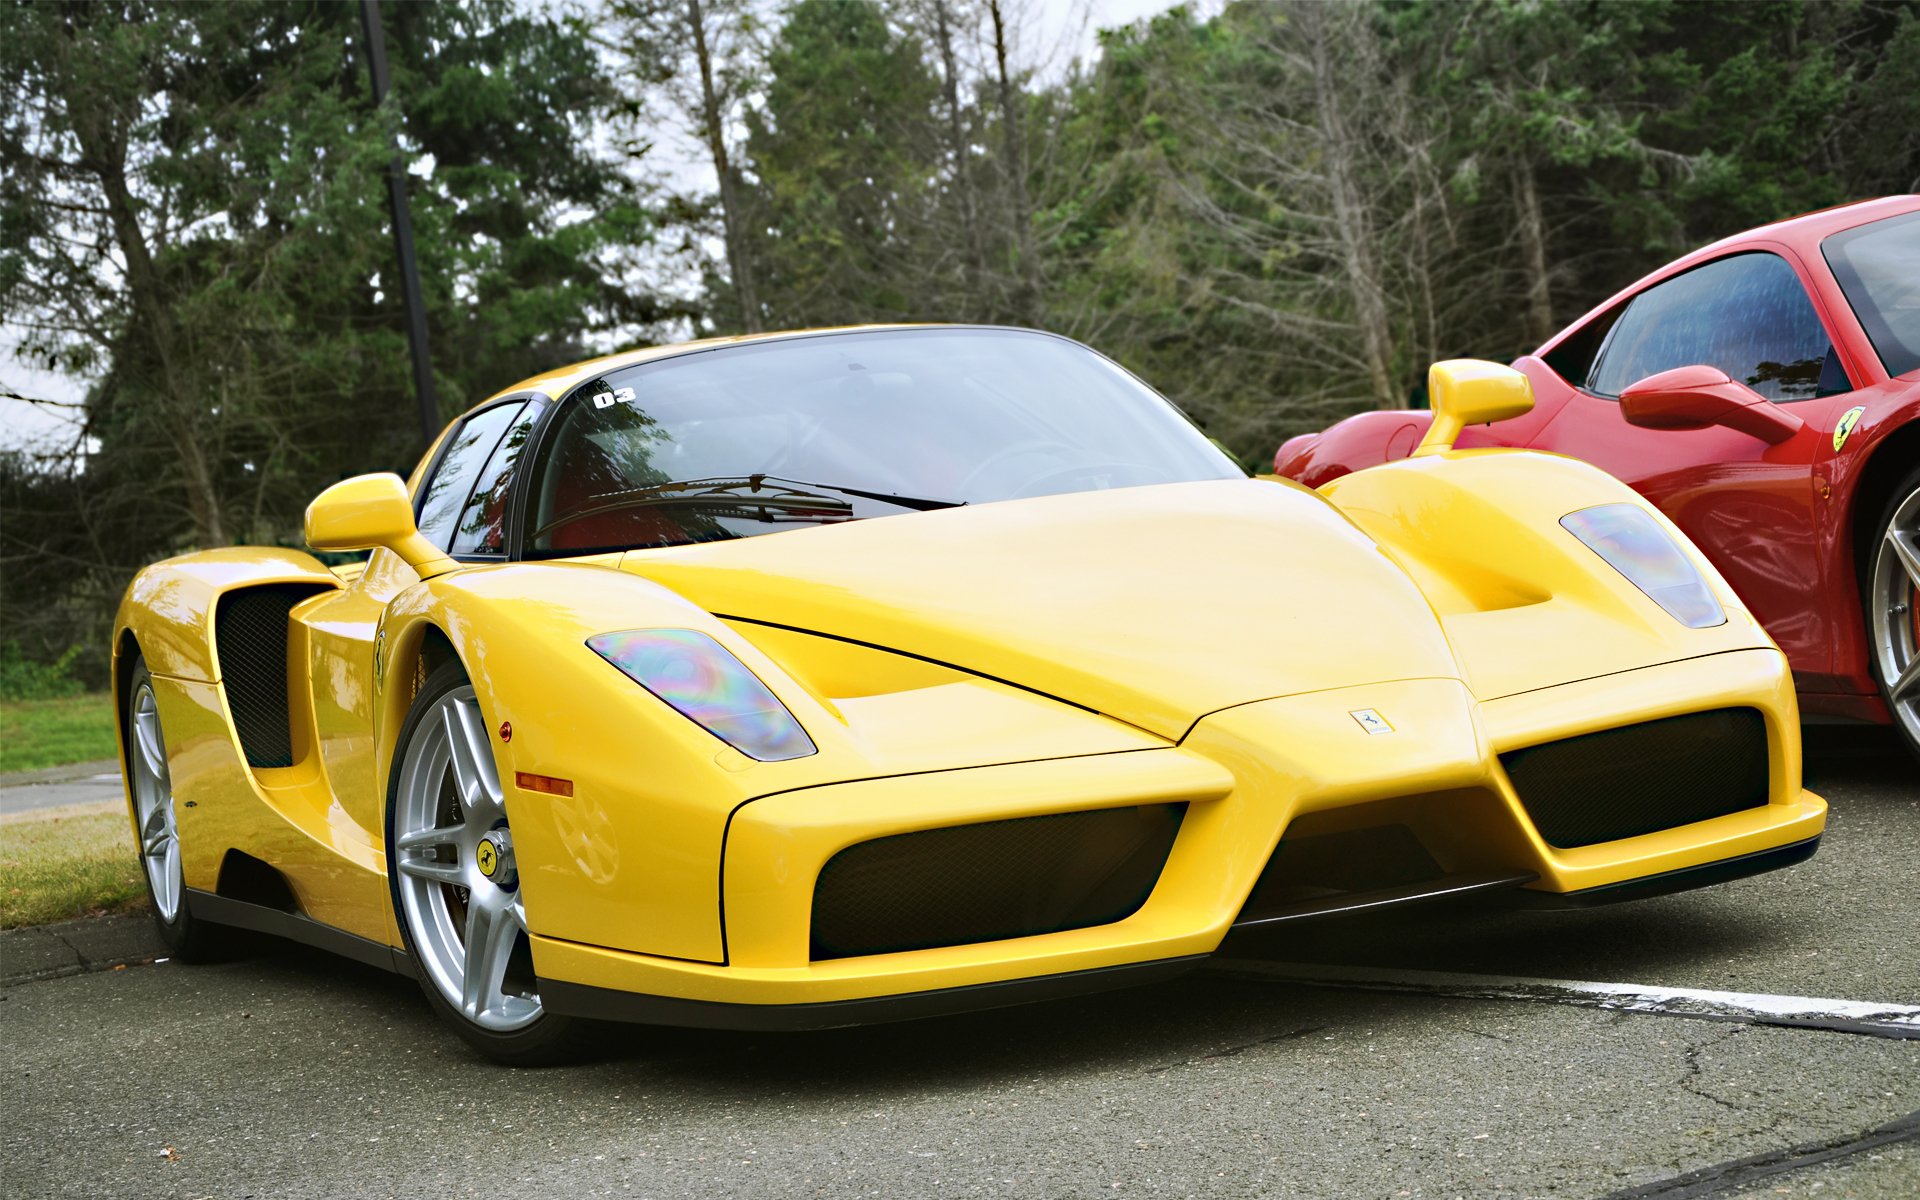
<point>1893,608</point>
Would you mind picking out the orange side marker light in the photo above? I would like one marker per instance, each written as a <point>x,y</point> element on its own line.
<point>543,783</point>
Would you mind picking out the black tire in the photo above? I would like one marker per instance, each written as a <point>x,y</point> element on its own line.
<point>187,937</point>
<point>550,1038</point>
<point>1906,717</point>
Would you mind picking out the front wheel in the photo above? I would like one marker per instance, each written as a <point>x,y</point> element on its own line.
<point>1893,608</point>
<point>456,892</point>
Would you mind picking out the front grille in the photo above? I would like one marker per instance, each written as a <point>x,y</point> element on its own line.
<point>250,636</point>
<point>994,880</point>
<point>1637,779</point>
<point>1313,867</point>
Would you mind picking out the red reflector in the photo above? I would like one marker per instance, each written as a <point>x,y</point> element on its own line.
<point>543,783</point>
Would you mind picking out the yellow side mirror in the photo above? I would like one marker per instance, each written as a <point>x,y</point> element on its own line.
<point>369,512</point>
<point>1468,391</point>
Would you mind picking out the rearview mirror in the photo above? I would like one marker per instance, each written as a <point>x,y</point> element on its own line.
<point>1696,397</point>
<point>1469,391</point>
<point>369,512</point>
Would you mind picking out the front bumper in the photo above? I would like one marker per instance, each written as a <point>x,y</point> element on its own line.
<point>1246,776</point>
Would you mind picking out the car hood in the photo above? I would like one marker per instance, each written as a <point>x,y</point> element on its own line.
<point>1154,605</point>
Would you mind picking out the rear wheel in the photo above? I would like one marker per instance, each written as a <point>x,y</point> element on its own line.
<point>157,828</point>
<point>455,883</point>
<point>1893,608</point>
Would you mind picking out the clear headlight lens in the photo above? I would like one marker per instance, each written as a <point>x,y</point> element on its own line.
<point>705,683</point>
<point>1635,545</point>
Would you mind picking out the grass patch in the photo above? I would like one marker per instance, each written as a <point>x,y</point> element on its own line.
<point>55,868</point>
<point>52,733</point>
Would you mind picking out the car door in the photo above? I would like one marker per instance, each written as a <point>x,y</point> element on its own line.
<point>1749,505</point>
<point>460,507</point>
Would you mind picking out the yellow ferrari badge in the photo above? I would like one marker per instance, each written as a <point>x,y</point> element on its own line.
<point>1371,721</point>
<point>1844,429</point>
<point>488,858</point>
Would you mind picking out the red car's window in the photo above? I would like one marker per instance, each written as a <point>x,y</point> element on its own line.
<point>1878,266</point>
<point>1746,314</point>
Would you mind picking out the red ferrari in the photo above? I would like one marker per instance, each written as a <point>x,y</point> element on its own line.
<point>1765,393</point>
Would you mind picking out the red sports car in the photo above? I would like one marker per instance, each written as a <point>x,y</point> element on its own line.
<point>1765,393</point>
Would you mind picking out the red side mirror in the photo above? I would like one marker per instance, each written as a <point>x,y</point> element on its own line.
<point>1696,397</point>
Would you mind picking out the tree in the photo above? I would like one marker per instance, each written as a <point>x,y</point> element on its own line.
<point>843,155</point>
<point>192,207</point>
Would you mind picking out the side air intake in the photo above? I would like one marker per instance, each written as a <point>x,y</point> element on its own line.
<point>250,637</point>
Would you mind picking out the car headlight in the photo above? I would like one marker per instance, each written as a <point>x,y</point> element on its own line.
<point>705,683</point>
<point>1635,545</point>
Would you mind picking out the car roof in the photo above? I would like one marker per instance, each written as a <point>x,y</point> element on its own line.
<point>1805,231</point>
<point>560,380</point>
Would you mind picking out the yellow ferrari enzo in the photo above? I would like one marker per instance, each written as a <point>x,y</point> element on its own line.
<point>846,676</point>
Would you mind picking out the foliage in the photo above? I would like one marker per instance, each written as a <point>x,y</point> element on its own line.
<point>194,216</point>
<point>1278,213</point>
<point>55,729</point>
<point>23,678</point>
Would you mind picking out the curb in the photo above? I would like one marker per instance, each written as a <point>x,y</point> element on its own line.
<point>65,773</point>
<point>39,952</point>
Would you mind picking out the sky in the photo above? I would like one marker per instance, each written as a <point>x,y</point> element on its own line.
<point>1055,33</point>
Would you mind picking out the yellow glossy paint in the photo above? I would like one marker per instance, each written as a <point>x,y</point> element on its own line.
<point>370,512</point>
<point>1207,643</point>
<point>1469,391</point>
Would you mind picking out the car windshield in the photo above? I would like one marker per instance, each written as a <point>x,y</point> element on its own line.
<point>1878,267</point>
<point>764,436</point>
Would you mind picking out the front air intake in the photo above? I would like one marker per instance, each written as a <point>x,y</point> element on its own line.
<point>1621,783</point>
<point>994,880</point>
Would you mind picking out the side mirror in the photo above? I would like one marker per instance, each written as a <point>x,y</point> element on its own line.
<point>369,512</point>
<point>1468,391</point>
<point>1696,397</point>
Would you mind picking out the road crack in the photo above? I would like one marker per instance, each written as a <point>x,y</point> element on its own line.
<point>1693,1073</point>
<point>1742,1172</point>
<point>1231,1051</point>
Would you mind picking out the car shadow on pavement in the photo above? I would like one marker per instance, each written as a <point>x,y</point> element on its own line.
<point>1698,939</point>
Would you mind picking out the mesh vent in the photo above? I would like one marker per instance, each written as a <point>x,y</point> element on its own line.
<point>1637,779</point>
<point>994,880</point>
<point>250,636</point>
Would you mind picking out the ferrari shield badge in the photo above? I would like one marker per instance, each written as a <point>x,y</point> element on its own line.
<point>1844,429</point>
<point>1371,721</point>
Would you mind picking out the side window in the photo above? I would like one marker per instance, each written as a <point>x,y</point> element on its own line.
<point>483,523</point>
<point>459,468</point>
<point>1747,315</point>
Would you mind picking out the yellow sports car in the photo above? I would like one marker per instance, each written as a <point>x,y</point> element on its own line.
<point>834,677</point>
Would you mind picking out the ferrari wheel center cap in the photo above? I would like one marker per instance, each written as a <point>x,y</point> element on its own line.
<point>494,857</point>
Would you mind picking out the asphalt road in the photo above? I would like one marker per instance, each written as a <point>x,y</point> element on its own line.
<point>295,1075</point>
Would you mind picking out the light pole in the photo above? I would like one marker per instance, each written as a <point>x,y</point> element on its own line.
<point>403,235</point>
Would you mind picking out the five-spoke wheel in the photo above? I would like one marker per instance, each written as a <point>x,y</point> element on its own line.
<point>156,825</point>
<point>153,801</point>
<point>455,881</point>
<point>1893,608</point>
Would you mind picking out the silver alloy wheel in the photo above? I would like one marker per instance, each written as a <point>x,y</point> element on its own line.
<point>153,804</point>
<point>468,924</point>
<point>1891,610</point>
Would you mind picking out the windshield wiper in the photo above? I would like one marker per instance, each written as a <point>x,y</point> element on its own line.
<point>751,491</point>
<point>920,503</point>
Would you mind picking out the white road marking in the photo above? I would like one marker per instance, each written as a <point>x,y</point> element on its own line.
<point>1752,1008</point>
